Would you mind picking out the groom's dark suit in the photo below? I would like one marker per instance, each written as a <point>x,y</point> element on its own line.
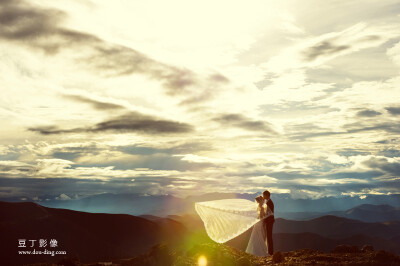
<point>268,224</point>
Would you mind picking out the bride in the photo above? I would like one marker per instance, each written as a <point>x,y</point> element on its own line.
<point>257,244</point>
<point>225,219</point>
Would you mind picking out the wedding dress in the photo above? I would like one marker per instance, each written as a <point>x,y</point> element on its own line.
<point>225,219</point>
<point>257,245</point>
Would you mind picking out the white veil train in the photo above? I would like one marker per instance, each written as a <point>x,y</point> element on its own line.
<point>225,219</point>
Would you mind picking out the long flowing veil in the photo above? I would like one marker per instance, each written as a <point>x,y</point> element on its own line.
<point>227,218</point>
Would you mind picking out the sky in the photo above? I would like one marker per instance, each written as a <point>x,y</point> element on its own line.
<point>188,97</point>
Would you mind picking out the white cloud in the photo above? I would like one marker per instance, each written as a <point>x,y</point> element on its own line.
<point>263,179</point>
<point>305,194</point>
<point>337,159</point>
<point>201,159</point>
<point>394,53</point>
<point>314,52</point>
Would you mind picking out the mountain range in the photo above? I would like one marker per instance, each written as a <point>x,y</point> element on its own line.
<point>102,236</point>
<point>285,206</point>
<point>364,212</point>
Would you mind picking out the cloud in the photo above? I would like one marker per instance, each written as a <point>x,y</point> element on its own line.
<point>37,27</point>
<point>394,53</point>
<point>392,167</point>
<point>15,168</point>
<point>324,48</point>
<point>49,130</point>
<point>240,121</point>
<point>330,87</point>
<point>40,28</point>
<point>130,122</point>
<point>117,60</point>
<point>388,127</point>
<point>100,105</point>
<point>264,179</point>
<point>137,122</point>
<point>172,147</point>
<point>368,113</point>
<point>307,131</point>
<point>316,51</point>
<point>357,37</point>
<point>393,110</point>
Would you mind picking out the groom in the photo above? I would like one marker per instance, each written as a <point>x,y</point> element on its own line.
<point>269,221</point>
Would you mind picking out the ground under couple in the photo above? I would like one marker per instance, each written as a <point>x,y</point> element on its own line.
<point>225,219</point>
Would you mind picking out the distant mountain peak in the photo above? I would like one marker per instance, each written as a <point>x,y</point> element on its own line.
<point>369,207</point>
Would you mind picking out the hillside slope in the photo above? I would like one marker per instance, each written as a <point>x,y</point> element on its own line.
<point>89,236</point>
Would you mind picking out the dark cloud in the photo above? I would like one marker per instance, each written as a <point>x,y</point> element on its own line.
<point>366,175</point>
<point>191,147</point>
<point>219,78</point>
<point>240,121</point>
<point>51,130</point>
<point>37,27</point>
<point>118,60</point>
<point>385,126</point>
<point>155,161</point>
<point>326,47</point>
<point>312,131</point>
<point>352,152</point>
<point>137,122</point>
<point>393,168</point>
<point>392,153</point>
<point>170,148</point>
<point>15,169</point>
<point>40,28</point>
<point>388,141</point>
<point>142,150</point>
<point>100,105</point>
<point>131,122</point>
<point>368,113</point>
<point>393,110</point>
<point>65,155</point>
<point>71,153</point>
<point>304,131</point>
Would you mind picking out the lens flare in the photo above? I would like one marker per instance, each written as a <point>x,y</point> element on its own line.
<point>202,261</point>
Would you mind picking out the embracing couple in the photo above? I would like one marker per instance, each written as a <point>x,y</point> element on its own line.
<point>260,243</point>
<point>228,218</point>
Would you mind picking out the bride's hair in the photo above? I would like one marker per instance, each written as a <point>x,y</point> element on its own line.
<point>259,199</point>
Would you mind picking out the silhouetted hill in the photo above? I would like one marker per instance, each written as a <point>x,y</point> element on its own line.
<point>337,227</point>
<point>326,232</point>
<point>331,227</point>
<point>89,236</point>
<point>112,237</point>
